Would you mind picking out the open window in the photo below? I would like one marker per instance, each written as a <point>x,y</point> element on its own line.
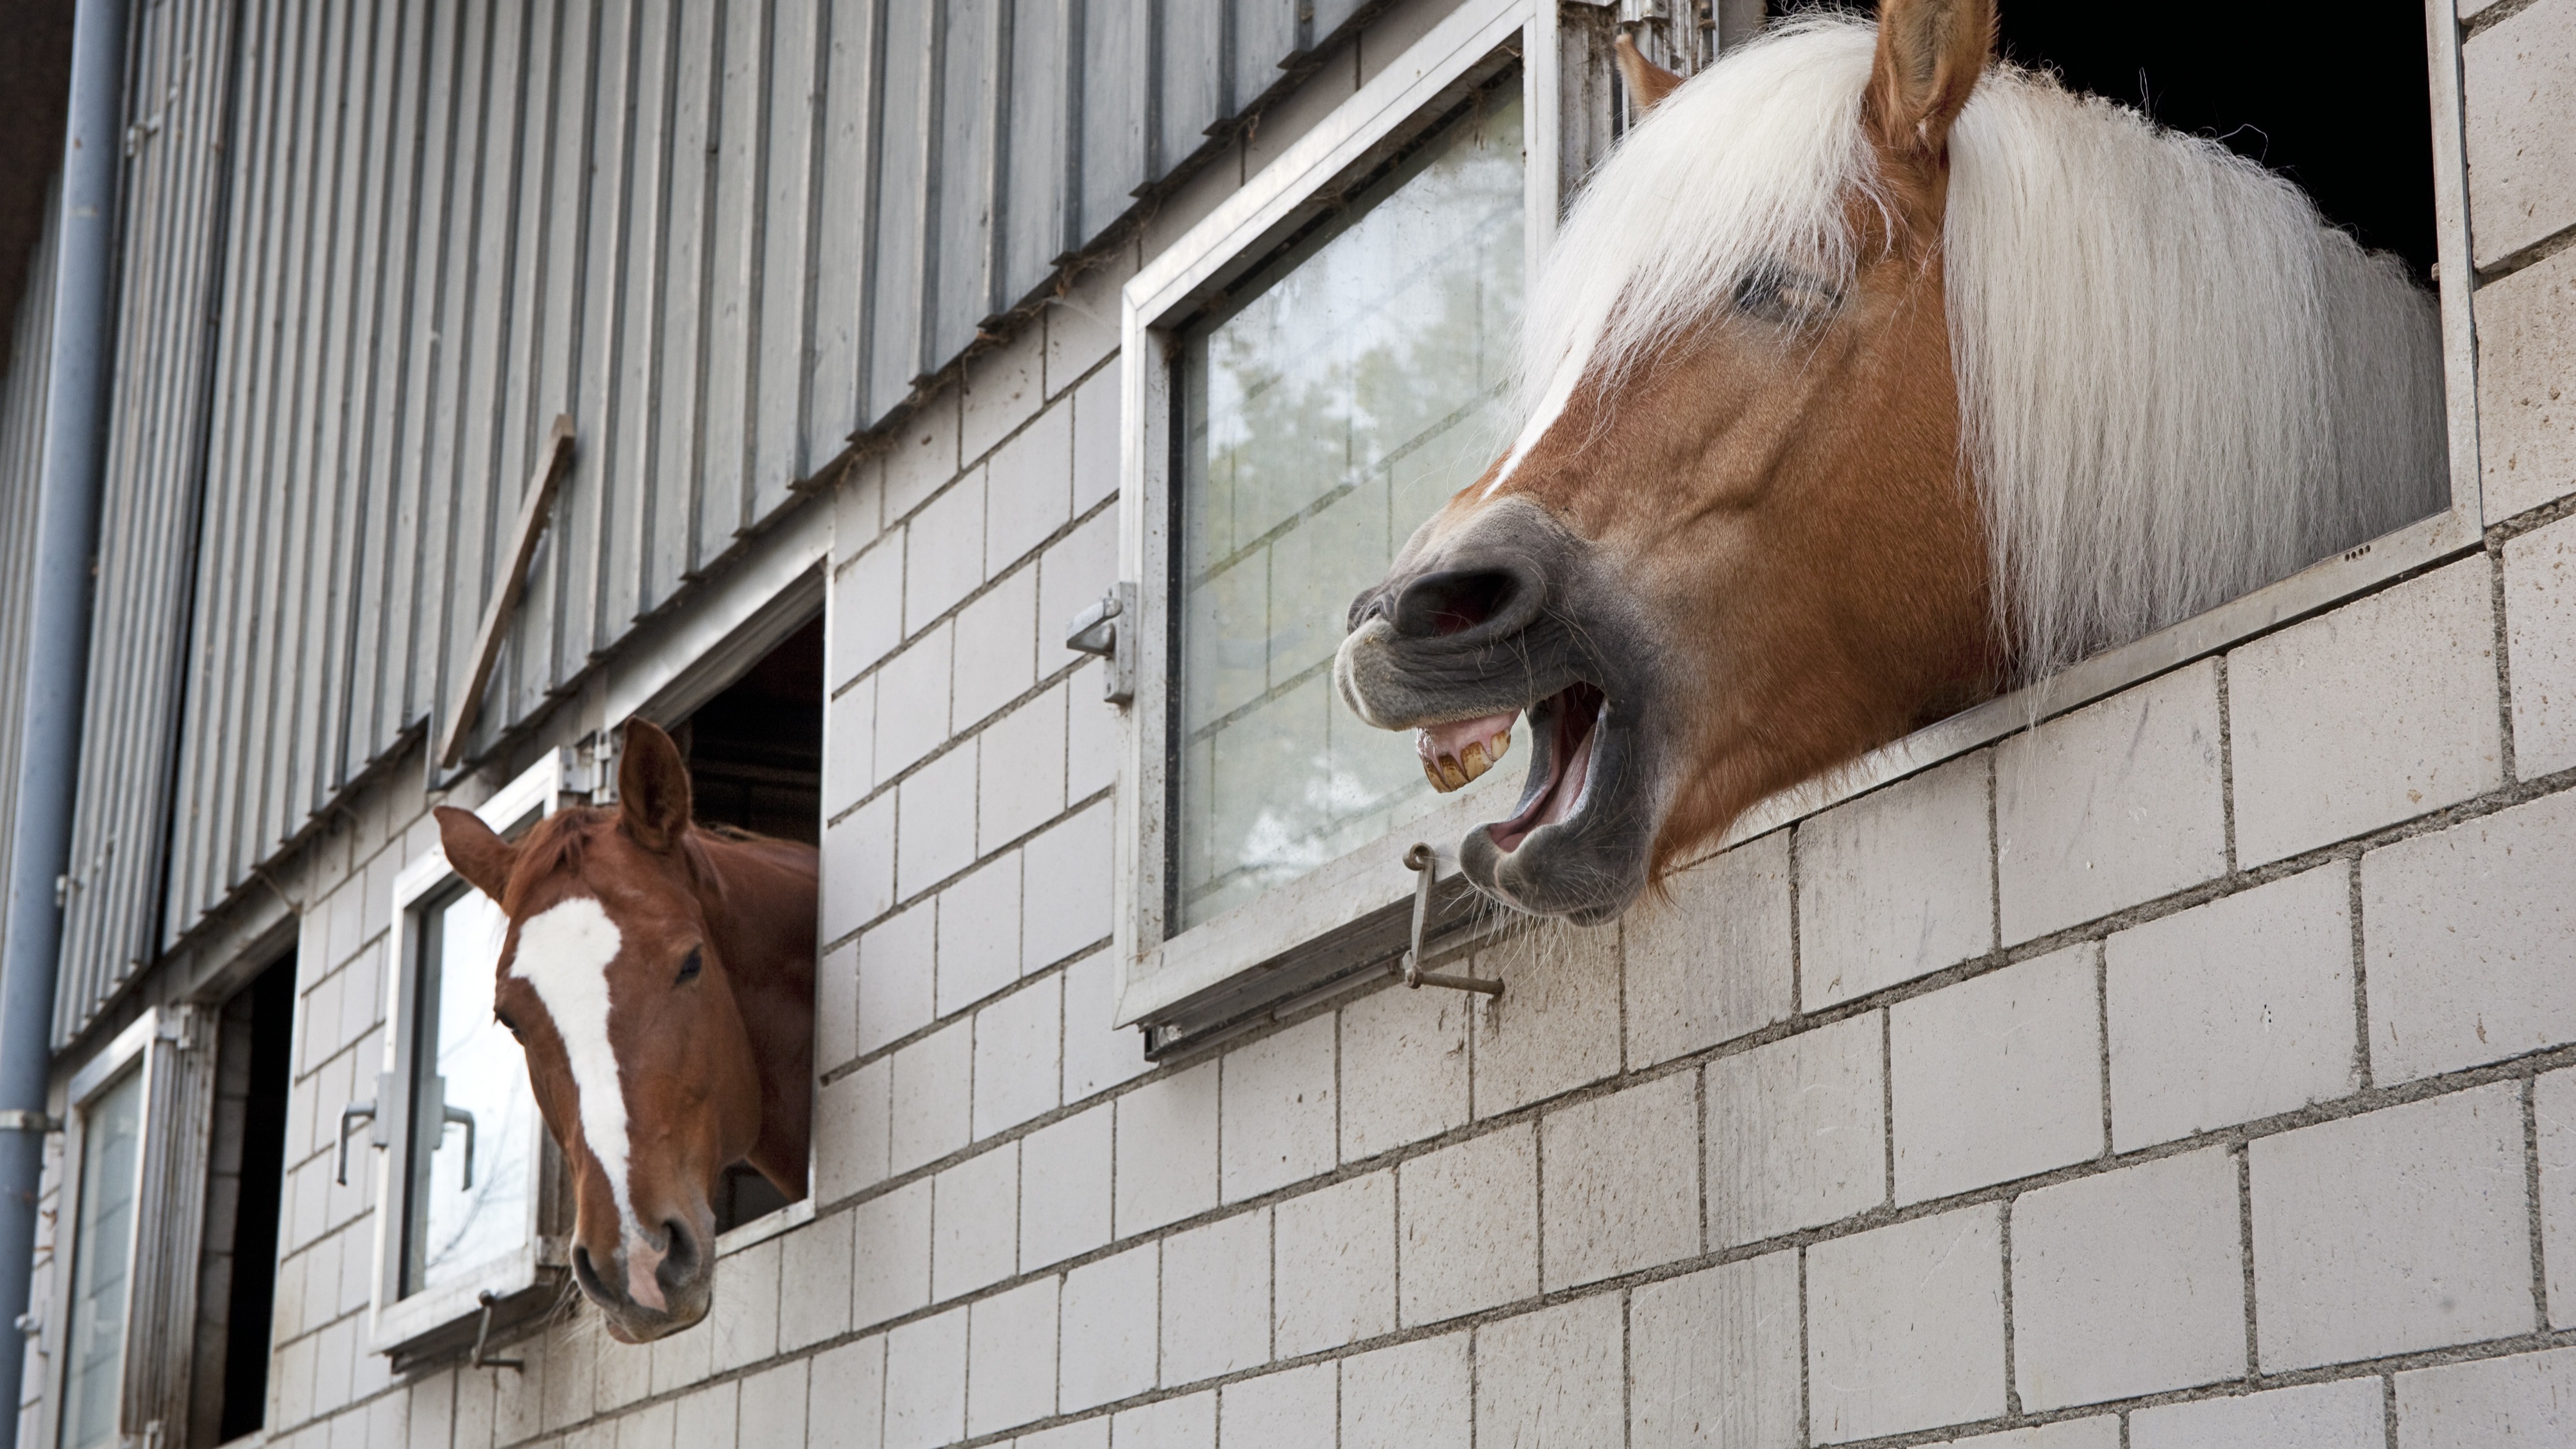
<point>124,1297</point>
<point>1311,372</point>
<point>472,1206</point>
<point>755,756</point>
<point>245,1182</point>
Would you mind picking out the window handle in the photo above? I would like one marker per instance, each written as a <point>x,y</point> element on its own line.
<point>1424,862</point>
<point>451,1116</point>
<point>348,1114</point>
<point>377,1136</point>
<point>1096,630</point>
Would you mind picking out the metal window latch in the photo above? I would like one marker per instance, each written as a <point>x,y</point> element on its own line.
<point>483,1337</point>
<point>379,1132</point>
<point>1097,630</point>
<point>1424,862</point>
<point>452,1116</point>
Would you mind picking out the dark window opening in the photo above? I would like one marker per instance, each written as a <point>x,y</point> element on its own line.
<point>2333,94</point>
<point>246,1177</point>
<point>755,756</point>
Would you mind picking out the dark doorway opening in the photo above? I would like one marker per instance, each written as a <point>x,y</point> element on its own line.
<point>246,1179</point>
<point>755,755</point>
<point>2333,94</point>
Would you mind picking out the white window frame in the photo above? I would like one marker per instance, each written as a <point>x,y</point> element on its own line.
<point>128,1051</point>
<point>1155,973</point>
<point>397,1322</point>
<point>1163,980</point>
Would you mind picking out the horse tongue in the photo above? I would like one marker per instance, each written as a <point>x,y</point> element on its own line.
<point>1459,751</point>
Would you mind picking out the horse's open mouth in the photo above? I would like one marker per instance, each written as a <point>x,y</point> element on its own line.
<point>1560,768</point>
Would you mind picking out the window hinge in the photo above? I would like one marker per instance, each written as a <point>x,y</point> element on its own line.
<point>18,1119</point>
<point>179,1026</point>
<point>1424,862</point>
<point>1098,630</point>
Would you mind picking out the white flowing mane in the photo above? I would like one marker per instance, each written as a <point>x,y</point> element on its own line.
<point>2176,381</point>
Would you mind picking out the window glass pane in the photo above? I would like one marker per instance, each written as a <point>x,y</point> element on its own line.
<point>1322,420</point>
<point>102,1262</point>
<point>464,1064</point>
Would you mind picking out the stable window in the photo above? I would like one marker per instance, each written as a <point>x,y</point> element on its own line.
<point>105,1211</point>
<point>1306,375</point>
<point>245,1182</point>
<point>469,1183</point>
<point>1314,369</point>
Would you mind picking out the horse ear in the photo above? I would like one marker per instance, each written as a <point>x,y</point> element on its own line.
<point>652,786</point>
<point>483,858</point>
<point>1930,53</point>
<point>1647,81</point>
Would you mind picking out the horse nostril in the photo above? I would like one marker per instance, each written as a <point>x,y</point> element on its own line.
<point>1455,600</point>
<point>586,1275</point>
<point>683,1255</point>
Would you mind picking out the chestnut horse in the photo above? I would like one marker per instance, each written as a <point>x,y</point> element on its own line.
<point>1868,377</point>
<point>660,977</point>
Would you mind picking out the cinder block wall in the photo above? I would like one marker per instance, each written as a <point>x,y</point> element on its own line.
<point>2196,1069</point>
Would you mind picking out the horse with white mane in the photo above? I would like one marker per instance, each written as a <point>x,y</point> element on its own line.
<point>1870,376</point>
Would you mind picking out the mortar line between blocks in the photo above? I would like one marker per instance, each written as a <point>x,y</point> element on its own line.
<point>2243,1153</point>
<point>2012,1389</point>
<point>2531,1200</point>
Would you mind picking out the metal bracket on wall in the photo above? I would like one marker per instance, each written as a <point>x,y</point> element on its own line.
<point>379,1132</point>
<point>1099,630</point>
<point>16,1119</point>
<point>1424,862</point>
<point>483,1337</point>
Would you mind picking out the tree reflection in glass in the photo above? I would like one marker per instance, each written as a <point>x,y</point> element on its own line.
<point>1324,417</point>
<point>463,1059</point>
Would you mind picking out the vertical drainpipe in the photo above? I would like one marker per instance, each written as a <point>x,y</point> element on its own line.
<point>76,395</point>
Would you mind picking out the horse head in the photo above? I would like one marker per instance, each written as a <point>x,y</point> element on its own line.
<point>659,978</point>
<point>1849,401</point>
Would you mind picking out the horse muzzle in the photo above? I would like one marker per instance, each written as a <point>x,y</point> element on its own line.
<point>1513,613</point>
<point>648,1290</point>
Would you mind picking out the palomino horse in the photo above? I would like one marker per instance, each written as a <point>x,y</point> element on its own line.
<point>1869,376</point>
<point>661,979</point>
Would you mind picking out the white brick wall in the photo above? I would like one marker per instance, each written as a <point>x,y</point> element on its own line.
<point>2337,1415</point>
<point>2403,1229</point>
<point>1905,1327</point>
<point>2519,78</point>
<point>1896,883</point>
<point>2376,712</point>
<point>2128,1282</point>
<point>1714,1357</point>
<point>2526,419</point>
<point>1715,963</point>
<point>2470,942</point>
<point>1797,1132</point>
<point>2232,1011</point>
<point>2115,804</point>
<point>1996,1078</point>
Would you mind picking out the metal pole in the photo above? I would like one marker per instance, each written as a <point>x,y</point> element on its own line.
<point>58,647</point>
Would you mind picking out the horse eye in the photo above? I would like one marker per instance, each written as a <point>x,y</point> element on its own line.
<point>689,968</point>
<point>507,1024</point>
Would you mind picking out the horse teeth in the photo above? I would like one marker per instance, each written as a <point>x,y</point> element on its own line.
<point>1474,761</point>
<point>1499,746</point>
<point>1431,772</point>
<point>1452,773</point>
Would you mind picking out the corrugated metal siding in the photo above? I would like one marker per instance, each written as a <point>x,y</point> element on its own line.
<point>725,235</point>
<point>22,461</point>
<point>178,83</point>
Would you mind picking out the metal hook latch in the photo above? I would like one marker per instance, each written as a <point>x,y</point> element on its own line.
<point>483,1337</point>
<point>1424,862</point>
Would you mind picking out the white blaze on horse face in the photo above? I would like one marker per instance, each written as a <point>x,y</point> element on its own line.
<point>564,953</point>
